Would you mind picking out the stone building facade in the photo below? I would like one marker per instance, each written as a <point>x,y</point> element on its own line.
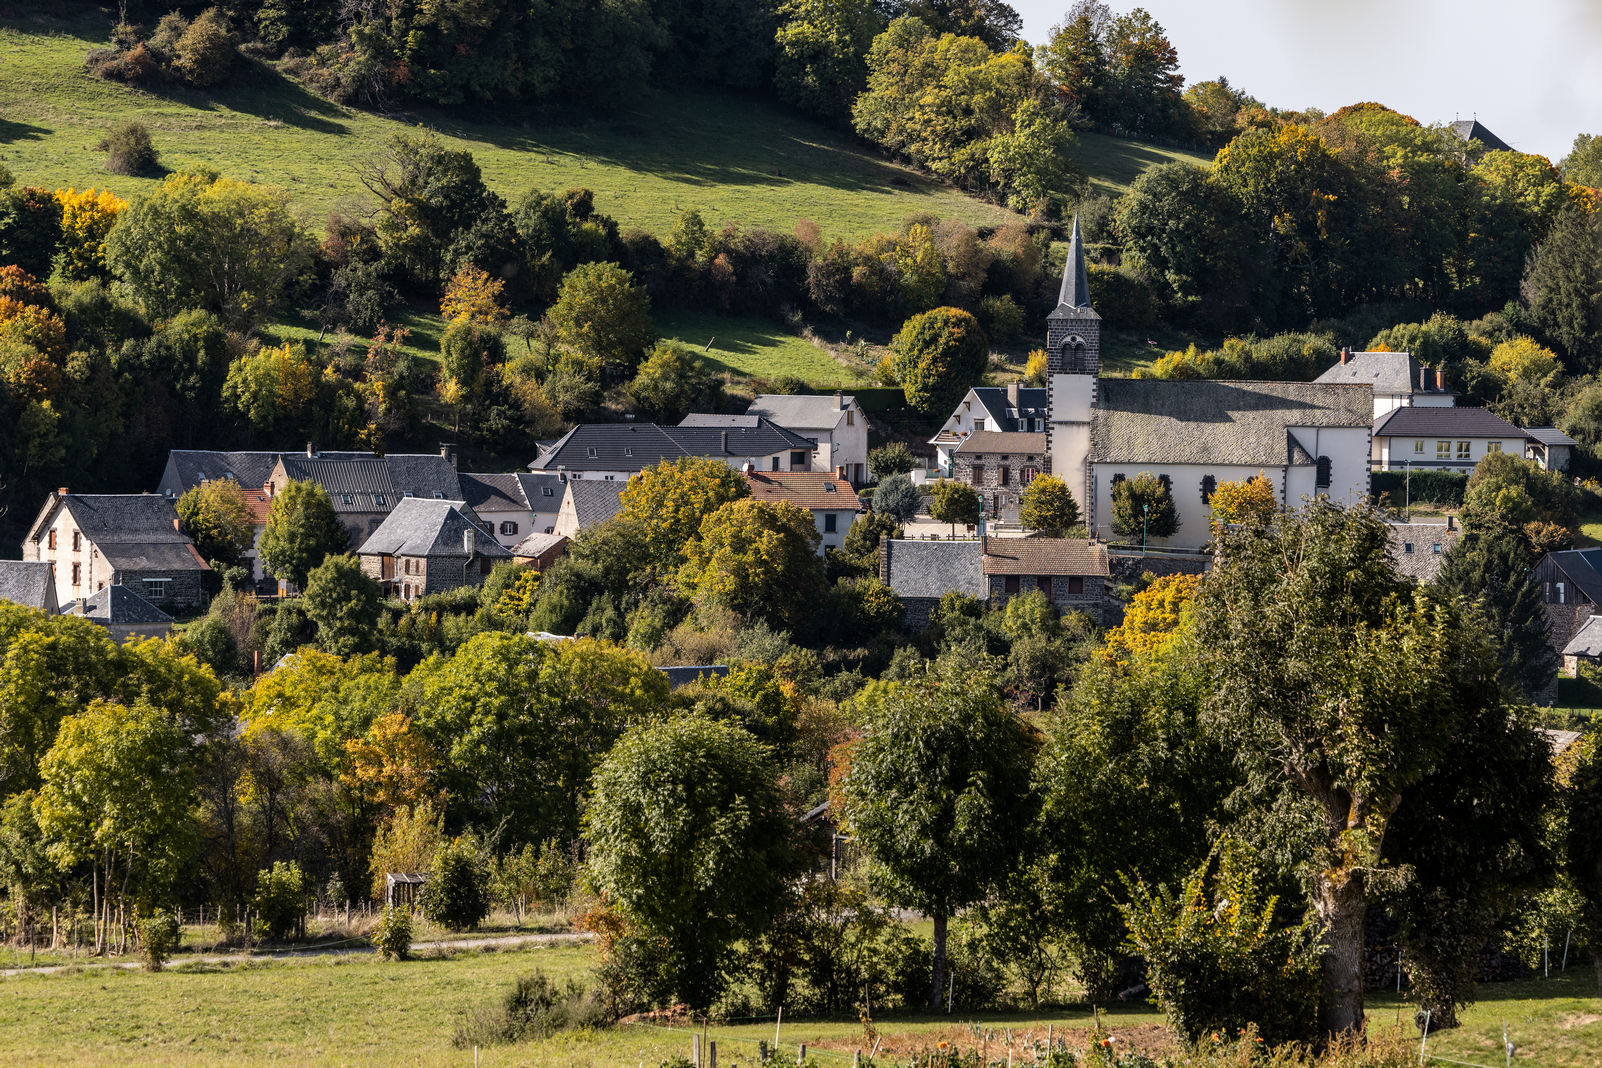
<point>1000,465</point>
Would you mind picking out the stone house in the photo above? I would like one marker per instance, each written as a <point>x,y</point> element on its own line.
<point>29,583</point>
<point>365,489</point>
<point>921,572</point>
<point>1417,548</point>
<point>829,497</point>
<point>123,613</point>
<point>1570,582</point>
<point>427,546</point>
<point>835,424</point>
<point>539,551</point>
<point>1000,464</point>
<point>1008,409</point>
<point>1071,572</point>
<point>92,541</point>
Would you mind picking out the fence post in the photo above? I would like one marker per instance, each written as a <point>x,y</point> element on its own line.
<point>762,1051</point>
<point>711,1055</point>
<point>695,1050</point>
<point>801,1055</point>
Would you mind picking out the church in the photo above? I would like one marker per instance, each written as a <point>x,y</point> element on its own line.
<point>1308,438</point>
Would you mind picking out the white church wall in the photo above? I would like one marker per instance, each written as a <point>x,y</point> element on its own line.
<point>1348,450</point>
<point>1185,480</point>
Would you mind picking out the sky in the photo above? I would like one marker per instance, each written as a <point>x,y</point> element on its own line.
<point>1530,70</point>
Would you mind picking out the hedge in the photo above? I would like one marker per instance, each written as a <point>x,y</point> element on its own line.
<point>1424,487</point>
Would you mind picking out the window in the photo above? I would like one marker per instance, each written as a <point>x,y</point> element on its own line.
<point>1027,475</point>
<point>592,451</point>
<point>628,450</point>
<point>156,589</point>
<point>1464,449</point>
<point>1003,473</point>
<point>1562,592</point>
<point>1167,483</point>
<point>348,498</point>
<point>979,423</point>
<point>378,499</point>
<point>547,492</point>
<point>77,573</point>
<point>406,592</point>
<point>1436,548</point>
<point>1443,450</point>
<point>1043,584</point>
<point>1418,448</point>
<point>1010,584</point>
<point>829,522</point>
<point>798,459</point>
<point>1493,446</point>
<point>1076,585</point>
<point>408,493</point>
<point>439,495</point>
<point>508,527</point>
<point>52,539</point>
<point>77,540</point>
<point>1208,485</point>
<point>978,476</point>
<point>851,417</point>
<point>828,487</point>
<point>1407,547</point>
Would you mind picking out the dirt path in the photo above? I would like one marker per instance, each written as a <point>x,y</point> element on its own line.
<point>331,950</point>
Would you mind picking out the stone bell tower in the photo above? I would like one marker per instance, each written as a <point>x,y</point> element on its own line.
<point>1073,362</point>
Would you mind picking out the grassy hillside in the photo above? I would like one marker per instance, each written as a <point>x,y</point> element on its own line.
<point>735,159</point>
<point>1114,162</point>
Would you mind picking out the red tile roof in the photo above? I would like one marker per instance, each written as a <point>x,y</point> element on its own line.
<point>1043,556</point>
<point>816,491</point>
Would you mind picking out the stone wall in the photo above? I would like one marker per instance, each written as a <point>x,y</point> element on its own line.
<point>1128,567</point>
<point>183,588</point>
<point>1093,599</point>
<point>997,498</point>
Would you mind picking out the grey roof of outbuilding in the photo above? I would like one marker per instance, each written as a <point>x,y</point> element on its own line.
<point>191,467</point>
<point>1549,435</point>
<point>538,544</point>
<point>419,527</point>
<point>808,411</point>
<point>118,604</point>
<point>1218,423</point>
<point>1387,372</point>
<point>989,442</point>
<point>134,531</point>
<point>636,446</point>
<point>1423,563</point>
<point>1471,130</point>
<point>931,569</point>
<point>1456,422</point>
<point>25,582</point>
<point>1583,568</point>
<point>595,500</point>
<point>493,493</point>
<point>1587,641</point>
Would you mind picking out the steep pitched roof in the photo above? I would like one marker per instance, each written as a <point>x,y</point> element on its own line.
<point>991,442</point>
<point>1248,424</point>
<point>1471,130</point>
<point>1387,372</point>
<point>1413,548</point>
<point>931,569</point>
<point>543,491</point>
<point>1043,556</point>
<point>133,531</point>
<point>816,491</point>
<point>1453,422</point>
<point>426,527</point>
<point>493,493</point>
<point>802,411</point>
<point>1587,641</point>
<point>1073,298</point>
<point>190,467</point>
<point>1583,568</point>
<point>595,500</point>
<point>118,604</point>
<point>636,446</point>
<point>364,482</point>
<point>28,583</point>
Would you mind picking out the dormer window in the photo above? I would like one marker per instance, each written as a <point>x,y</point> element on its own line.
<point>593,451</point>
<point>378,499</point>
<point>349,499</point>
<point>546,491</point>
<point>439,495</point>
<point>407,493</point>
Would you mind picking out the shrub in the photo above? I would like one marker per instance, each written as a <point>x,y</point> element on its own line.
<point>1001,317</point>
<point>204,53</point>
<point>898,498</point>
<point>533,1009</point>
<point>280,901</point>
<point>457,892</point>
<point>393,935</point>
<point>1424,487</point>
<point>937,356</point>
<point>159,935</point>
<point>129,150</point>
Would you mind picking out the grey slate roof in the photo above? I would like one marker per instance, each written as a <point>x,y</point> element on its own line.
<point>1423,562</point>
<point>595,500</point>
<point>1451,422</point>
<point>118,604</point>
<point>637,446</point>
<point>1387,372</point>
<point>1034,402</point>
<point>684,674</point>
<point>1583,568</point>
<point>1549,436</point>
<point>931,569</point>
<point>188,468</point>
<point>991,442</point>
<point>1146,420</point>
<point>134,531</point>
<point>535,485</point>
<point>801,411</point>
<point>493,493</point>
<point>426,527</point>
<point>1587,641</point>
<point>1471,130</point>
<point>1073,298</point>
<point>27,582</point>
<point>721,422</point>
<point>538,544</point>
<point>369,483</point>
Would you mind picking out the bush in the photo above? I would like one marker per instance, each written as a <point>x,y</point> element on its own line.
<point>533,1009</point>
<point>159,935</point>
<point>129,150</point>
<point>898,498</point>
<point>1424,487</point>
<point>280,901</point>
<point>393,935</point>
<point>457,892</point>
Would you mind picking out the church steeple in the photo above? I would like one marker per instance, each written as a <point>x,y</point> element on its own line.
<point>1073,329</point>
<point>1075,291</point>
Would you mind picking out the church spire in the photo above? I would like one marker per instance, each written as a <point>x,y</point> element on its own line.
<point>1075,292</point>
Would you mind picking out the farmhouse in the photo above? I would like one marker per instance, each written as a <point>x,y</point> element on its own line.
<point>429,546</point>
<point>92,541</point>
<point>835,424</point>
<point>1570,582</point>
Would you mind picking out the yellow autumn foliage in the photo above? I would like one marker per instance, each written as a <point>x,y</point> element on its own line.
<point>86,219</point>
<point>1151,619</point>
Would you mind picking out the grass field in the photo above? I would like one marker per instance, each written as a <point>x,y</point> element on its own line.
<point>1114,162</point>
<point>735,159</point>
<point>757,348</point>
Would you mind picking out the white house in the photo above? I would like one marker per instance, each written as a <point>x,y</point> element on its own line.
<point>829,497</point>
<point>1398,380</point>
<point>1442,439</point>
<point>92,541</point>
<point>516,504</point>
<point>835,423</point>
<point>1010,409</point>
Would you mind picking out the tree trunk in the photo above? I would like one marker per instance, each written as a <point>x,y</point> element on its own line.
<point>1341,902</point>
<point>937,988</point>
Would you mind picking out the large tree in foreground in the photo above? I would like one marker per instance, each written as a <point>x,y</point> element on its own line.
<point>937,794</point>
<point>1338,684</point>
<point>302,531</point>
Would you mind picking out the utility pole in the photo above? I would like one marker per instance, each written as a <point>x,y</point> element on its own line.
<point>1145,512</point>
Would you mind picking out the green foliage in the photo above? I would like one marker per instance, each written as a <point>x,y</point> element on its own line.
<point>215,514</point>
<point>1507,492</point>
<point>819,55</point>
<point>603,314</point>
<point>213,644</point>
<point>669,504</point>
<point>955,502</point>
<point>672,382</point>
<point>393,935</point>
<point>687,837</point>
<point>535,1008</point>
<point>1143,507</point>
<point>1491,569</point>
<point>282,897</point>
<point>456,895</point>
<point>1049,506</point>
<point>757,559</point>
<point>1583,164</point>
<point>891,459</point>
<point>343,602</point>
<point>1563,288</point>
<point>30,228</point>
<point>938,355</point>
<point>1419,487</point>
<point>302,531</point>
<point>129,150</point>
<point>896,498</point>
<point>1579,832</point>
<point>1221,962</point>
<point>469,353</point>
<point>159,936</point>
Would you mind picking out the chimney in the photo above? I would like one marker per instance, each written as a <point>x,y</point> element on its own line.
<point>1012,394</point>
<point>747,468</point>
<point>839,472</point>
<point>271,489</point>
<point>725,437</point>
<point>1423,378</point>
<point>1440,379</point>
<point>839,401</point>
<point>62,492</point>
<point>177,524</point>
<point>448,451</point>
<point>561,472</point>
<point>311,450</point>
<point>83,606</point>
<point>1346,354</point>
<point>1451,523</point>
<point>469,541</point>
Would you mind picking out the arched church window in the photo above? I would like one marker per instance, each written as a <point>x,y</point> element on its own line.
<point>1208,484</point>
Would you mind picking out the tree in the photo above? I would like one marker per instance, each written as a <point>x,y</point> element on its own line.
<point>215,514</point>
<point>1336,684</point>
<point>30,228</point>
<point>1491,570</point>
<point>1583,164</point>
<point>302,531</point>
<point>456,895</point>
<point>936,794</point>
<point>672,500</point>
<point>1251,500</point>
<point>1511,493</point>
<point>1580,837</point>
<point>1048,506</point>
<point>1075,56</point>
<point>1523,359</point>
<point>1563,288</point>
<point>344,602</point>
<point>937,356</point>
<point>820,54</point>
<point>1029,157</point>
<point>204,53</point>
<point>469,352</point>
<point>757,559</point>
<point>688,838</point>
<point>955,502</point>
<point>129,150</point>
<point>473,295</point>
<point>86,220</point>
<point>893,458</point>
<point>603,314</point>
<point>391,766</point>
<point>672,382</point>
<point>898,498</point>
<point>200,241</point>
<point>1142,507</point>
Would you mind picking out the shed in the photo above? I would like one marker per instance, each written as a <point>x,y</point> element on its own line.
<point>402,887</point>
<point>1585,645</point>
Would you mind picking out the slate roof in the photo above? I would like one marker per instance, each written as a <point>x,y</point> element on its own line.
<point>803,411</point>
<point>1387,372</point>
<point>1423,563</point>
<point>722,422</point>
<point>493,493</point>
<point>1147,420</point>
<point>538,544</point>
<point>637,446</point>
<point>1583,568</point>
<point>816,491</point>
<point>374,483</point>
<point>117,604</point>
<point>1043,556</point>
<point>931,569</point>
<point>426,527</point>
<point>1587,641</point>
<point>26,582</point>
<point>1471,130</point>
<point>1073,298</point>
<point>991,442</point>
<point>595,500</point>
<point>133,531</point>
<point>684,674</point>
<point>1452,422</point>
<point>190,467</point>
<point>1549,436</point>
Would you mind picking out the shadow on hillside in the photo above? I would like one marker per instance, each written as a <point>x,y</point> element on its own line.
<point>263,92</point>
<point>19,131</point>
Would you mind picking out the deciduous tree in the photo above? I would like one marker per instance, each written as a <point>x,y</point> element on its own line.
<point>757,559</point>
<point>602,313</point>
<point>215,514</point>
<point>955,502</point>
<point>672,500</point>
<point>302,531</point>
<point>1143,507</point>
<point>343,601</point>
<point>937,356</point>
<point>1049,506</point>
<point>1250,500</point>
